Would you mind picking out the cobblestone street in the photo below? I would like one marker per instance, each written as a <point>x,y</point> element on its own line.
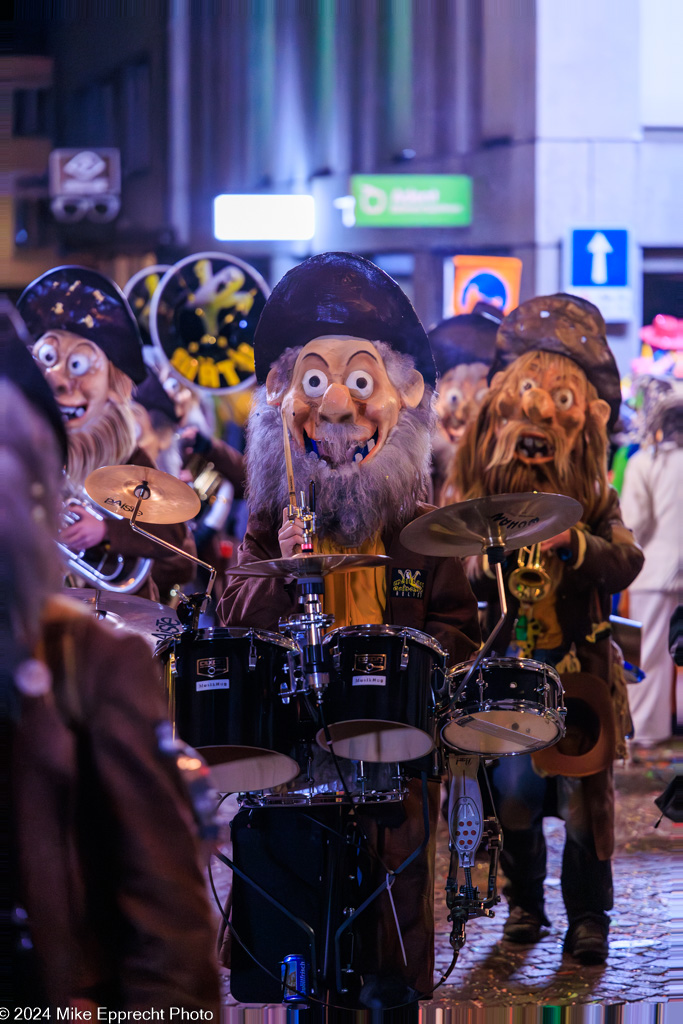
<point>644,965</point>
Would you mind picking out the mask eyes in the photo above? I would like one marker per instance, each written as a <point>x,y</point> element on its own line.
<point>314,383</point>
<point>79,363</point>
<point>527,384</point>
<point>46,354</point>
<point>453,398</point>
<point>361,383</point>
<point>563,398</point>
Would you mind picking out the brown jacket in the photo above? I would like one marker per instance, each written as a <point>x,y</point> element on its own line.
<point>443,605</point>
<point>610,562</point>
<point>106,845</point>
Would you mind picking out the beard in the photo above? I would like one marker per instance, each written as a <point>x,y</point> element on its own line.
<point>504,471</point>
<point>354,501</point>
<point>108,441</point>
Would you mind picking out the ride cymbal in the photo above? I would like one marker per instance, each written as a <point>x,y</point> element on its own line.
<point>169,501</point>
<point>499,520</point>
<point>302,566</point>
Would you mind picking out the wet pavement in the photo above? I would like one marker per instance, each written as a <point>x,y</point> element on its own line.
<point>645,963</point>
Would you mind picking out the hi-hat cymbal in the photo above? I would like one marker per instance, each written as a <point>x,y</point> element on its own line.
<point>127,612</point>
<point>170,500</point>
<point>508,520</point>
<point>301,566</point>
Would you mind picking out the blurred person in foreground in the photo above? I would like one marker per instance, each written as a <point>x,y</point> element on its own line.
<point>543,426</point>
<point>651,504</point>
<point>109,901</point>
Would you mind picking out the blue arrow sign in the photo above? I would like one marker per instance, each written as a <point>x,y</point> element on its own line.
<point>599,257</point>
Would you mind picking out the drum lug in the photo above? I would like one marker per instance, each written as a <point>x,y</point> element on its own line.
<point>405,653</point>
<point>336,659</point>
<point>252,654</point>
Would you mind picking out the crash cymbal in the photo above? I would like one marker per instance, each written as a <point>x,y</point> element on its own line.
<point>170,500</point>
<point>508,520</point>
<point>129,613</point>
<point>301,566</point>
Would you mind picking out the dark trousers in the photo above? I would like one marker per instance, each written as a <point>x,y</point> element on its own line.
<point>523,798</point>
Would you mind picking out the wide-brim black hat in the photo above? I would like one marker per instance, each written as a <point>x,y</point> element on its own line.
<point>468,338</point>
<point>18,366</point>
<point>87,303</point>
<point>568,326</point>
<point>339,293</point>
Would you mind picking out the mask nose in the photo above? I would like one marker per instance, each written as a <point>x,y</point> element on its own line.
<point>337,405</point>
<point>60,381</point>
<point>538,406</point>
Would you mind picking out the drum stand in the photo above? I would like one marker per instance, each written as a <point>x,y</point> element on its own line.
<point>466,823</point>
<point>467,827</point>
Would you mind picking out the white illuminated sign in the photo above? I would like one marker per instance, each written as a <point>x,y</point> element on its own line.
<point>265,218</point>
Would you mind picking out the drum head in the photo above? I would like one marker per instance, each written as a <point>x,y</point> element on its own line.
<point>248,769</point>
<point>376,741</point>
<point>514,730</point>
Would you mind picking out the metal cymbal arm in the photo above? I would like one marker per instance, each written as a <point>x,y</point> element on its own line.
<point>495,554</point>
<point>142,492</point>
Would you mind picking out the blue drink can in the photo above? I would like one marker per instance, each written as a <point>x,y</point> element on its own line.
<point>294,978</point>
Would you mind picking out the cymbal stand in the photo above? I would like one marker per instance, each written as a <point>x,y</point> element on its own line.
<point>197,601</point>
<point>495,552</point>
<point>467,827</point>
<point>308,628</point>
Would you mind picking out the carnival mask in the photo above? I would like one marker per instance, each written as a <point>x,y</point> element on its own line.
<point>77,370</point>
<point>539,407</point>
<point>341,404</point>
<point>461,392</point>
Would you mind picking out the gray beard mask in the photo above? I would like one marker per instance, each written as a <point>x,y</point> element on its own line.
<point>354,501</point>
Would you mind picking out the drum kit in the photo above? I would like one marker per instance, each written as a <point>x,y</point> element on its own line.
<point>313,715</point>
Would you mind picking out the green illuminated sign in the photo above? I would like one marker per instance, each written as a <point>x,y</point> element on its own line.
<point>412,200</point>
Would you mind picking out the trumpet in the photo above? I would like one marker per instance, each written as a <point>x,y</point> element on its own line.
<point>103,568</point>
<point>529,581</point>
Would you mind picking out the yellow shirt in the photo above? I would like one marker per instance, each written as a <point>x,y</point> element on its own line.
<point>355,597</point>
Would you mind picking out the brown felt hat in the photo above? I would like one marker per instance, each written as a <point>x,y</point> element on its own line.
<point>568,326</point>
<point>589,744</point>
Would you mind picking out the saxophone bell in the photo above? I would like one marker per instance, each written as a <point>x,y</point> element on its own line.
<point>529,582</point>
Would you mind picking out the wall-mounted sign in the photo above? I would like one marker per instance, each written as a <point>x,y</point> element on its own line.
<point>268,218</point>
<point>597,268</point>
<point>412,200</point>
<point>472,279</point>
<point>85,183</point>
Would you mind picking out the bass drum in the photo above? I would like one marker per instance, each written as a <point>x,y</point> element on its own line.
<point>229,697</point>
<point>380,704</point>
<point>509,706</point>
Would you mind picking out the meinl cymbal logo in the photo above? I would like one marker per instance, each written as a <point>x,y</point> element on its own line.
<point>513,524</point>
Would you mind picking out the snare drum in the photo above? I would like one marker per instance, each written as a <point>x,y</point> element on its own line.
<point>380,703</point>
<point>509,706</point>
<point>229,696</point>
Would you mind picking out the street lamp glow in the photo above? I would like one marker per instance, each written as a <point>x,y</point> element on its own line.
<point>267,218</point>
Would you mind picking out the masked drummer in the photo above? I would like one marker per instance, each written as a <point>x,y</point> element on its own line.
<point>342,355</point>
<point>543,426</point>
<point>88,347</point>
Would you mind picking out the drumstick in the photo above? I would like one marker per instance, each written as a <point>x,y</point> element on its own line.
<point>288,464</point>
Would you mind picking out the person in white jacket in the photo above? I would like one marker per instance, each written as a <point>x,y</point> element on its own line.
<point>651,505</point>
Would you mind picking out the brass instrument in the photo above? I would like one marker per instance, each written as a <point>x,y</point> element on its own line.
<point>104,569</point>
<point>529,582</point>
<point>206,480</point>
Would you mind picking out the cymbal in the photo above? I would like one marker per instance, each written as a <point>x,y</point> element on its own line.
<point>508,520</point>
<point>301,566</point>
<point>129,613</point>
<point>170,500</point>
